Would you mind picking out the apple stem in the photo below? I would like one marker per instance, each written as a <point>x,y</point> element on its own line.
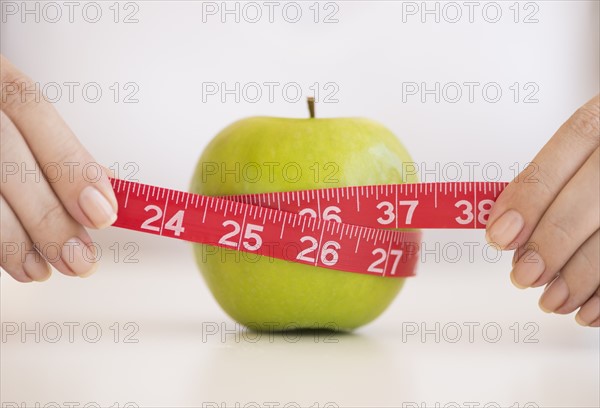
<point>311,106</point>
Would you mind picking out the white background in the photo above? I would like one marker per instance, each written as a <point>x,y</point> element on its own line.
<point>369,53</point>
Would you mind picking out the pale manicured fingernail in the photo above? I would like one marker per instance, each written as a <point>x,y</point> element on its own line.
<point>527,270</point>
<point>589,312</point>
<point>107,189</point>
<point>580,321</point>
<point>515,283</point>
<point>97,208</point>
<point>36,267</point>
<point>555,295</point>
<point>506,228</point>
<point>80,258</point>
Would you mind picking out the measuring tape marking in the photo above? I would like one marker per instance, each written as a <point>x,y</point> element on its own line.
<point>348,235</point>
<point>434,211</point>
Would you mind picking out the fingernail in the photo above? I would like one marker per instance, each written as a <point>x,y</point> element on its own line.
<point>555,295</point>
<point>506,228</point>
<point>515,283</point>
<point>36,267</point>
<point>106,188</point>
<point>79,257</point>
<point>527,270</point>
<point>589,312</point>
<point>580,321</point>
<point>97,208</point>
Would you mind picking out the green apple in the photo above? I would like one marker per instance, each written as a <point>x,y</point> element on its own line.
<point>268,154</point>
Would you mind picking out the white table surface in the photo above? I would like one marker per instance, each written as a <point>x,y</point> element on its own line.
<point>177,362</point>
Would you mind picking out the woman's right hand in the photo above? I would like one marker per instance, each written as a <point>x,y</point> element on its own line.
<point>51,187</point>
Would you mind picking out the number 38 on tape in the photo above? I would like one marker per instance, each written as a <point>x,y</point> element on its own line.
<point>347,228</point>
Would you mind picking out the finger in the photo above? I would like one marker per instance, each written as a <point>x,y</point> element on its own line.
<point>522,204</point>
<point>79,182</point>
<point>18,256</point>
<point>571,219</point>
<point>589,314</point>
<point>54,233</point>
<point>12,239</point>
<point>577,280</point>
<point>109,172</point>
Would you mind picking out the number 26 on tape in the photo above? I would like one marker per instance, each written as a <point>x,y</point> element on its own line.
<point>329,255</point>
<point>174,224</point>
<point>329,213</point>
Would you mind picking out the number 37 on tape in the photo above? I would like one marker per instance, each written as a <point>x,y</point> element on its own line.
<point>351,229</point>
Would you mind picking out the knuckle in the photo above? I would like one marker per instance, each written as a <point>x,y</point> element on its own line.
<point>10,255</point>
<point>589,255</point>
<point>67,152</point>
<point>17,273</point>
<point>538,182</point>
<point>585,122</point>
<point>11,260</point>
<point>17,91</point>
<point>545,182</point>
<point>72,159</point>
<point>557,228</point>
<point>49,217</point>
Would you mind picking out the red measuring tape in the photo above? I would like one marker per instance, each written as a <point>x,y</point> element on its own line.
<point>344,228</point>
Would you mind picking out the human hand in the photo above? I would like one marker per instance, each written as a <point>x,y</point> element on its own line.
<point>550,213</point>
<point>51,187</point>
